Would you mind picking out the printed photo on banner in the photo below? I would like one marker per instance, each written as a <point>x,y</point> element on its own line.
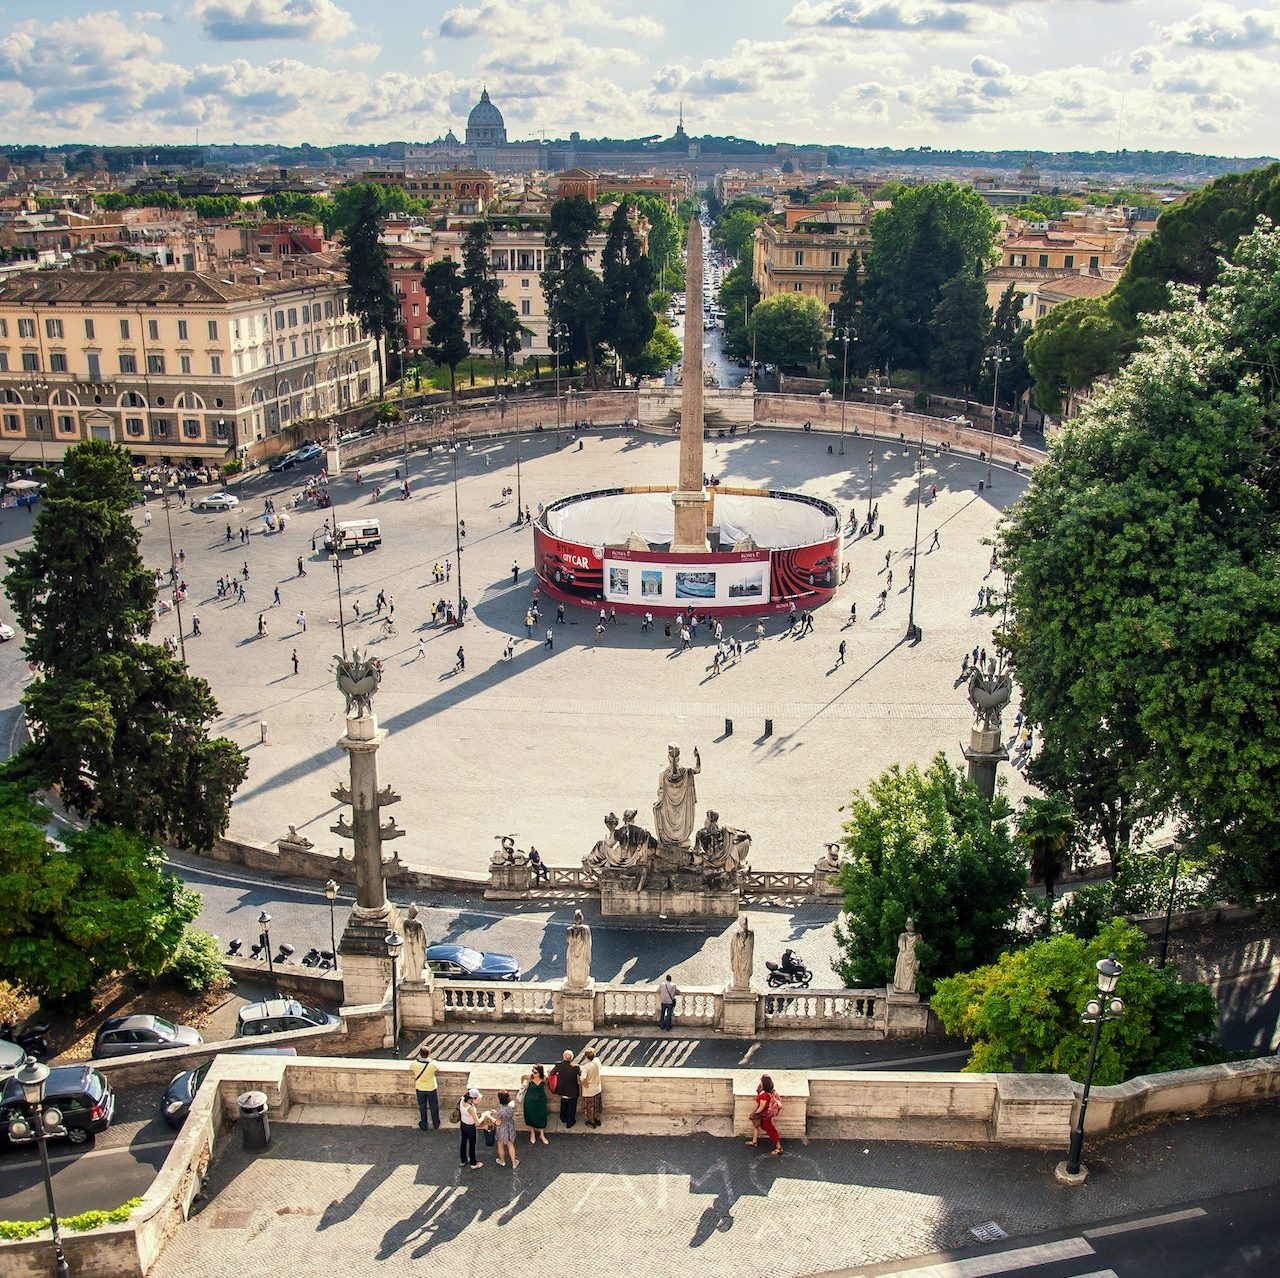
<point>650,583</point>
<point>695,585</point>
<point>619,581</point>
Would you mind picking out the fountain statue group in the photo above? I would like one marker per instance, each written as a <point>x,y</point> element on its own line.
<point>715,853</point>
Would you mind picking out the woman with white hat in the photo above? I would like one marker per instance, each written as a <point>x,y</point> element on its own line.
<point>468,1119</point>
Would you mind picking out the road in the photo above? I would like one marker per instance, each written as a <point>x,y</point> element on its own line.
<point>1232,1235</point>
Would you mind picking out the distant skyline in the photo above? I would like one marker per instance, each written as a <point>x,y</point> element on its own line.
<point>985,74</point>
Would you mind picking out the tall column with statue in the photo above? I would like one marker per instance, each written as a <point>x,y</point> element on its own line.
<point>366,965</point>
<point>989,693</point>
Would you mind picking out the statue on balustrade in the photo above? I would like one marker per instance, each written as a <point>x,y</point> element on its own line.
<point>577,954</point>
<point>907,967</point>
<point>742,951</point>
<point>415,945</point>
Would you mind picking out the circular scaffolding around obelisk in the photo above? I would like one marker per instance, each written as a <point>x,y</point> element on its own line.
<point>691,548</point>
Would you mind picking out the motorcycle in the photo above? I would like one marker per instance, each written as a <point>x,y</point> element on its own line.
<point>33,1041</point>
<point>779,975</point>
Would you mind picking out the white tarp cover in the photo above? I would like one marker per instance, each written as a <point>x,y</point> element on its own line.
<point>610,520</point>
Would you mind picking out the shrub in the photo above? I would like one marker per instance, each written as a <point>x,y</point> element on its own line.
<point>12,1230</point>
<point>197,962</point>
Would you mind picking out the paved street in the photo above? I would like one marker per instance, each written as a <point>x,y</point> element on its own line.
<point>547,744</point>
<point>367,1200</point>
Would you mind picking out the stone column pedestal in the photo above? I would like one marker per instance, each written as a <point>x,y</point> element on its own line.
<point>578,1009</point>
<point>985,752</point>
<point>691,521</point>
<point>417,1003</point>
<point>740,1013</point>
<point>363,957</point>
<point>905,1015</point>
<point>509,882</point>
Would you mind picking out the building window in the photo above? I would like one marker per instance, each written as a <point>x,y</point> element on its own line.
<point>4,361</point>
<point>799,256</point>
<point>30,362</point>
<point>415,310</point>
<point>1093,263</point>
<point>128,364</point>
<point>57,362</point>
<point>95,367</point>
<point>1069,261</point>
<point>66,423</point>
<point>797,288</point>
<point>124,329</point>
<point>526,307</point>
<point>153,330</point>
<point>133,425</point>
<point>182,330</point>
<point>11,421</point>
<point>215,365</point>
<point>4,328</point>
<point>191,428</point>
<point>293,316</point>
<point>155,365</point>
<point>524,283</point>
<point>160,427</point>
<point>213,330</point>
<point>1042,309</point>
<point>328,310</point>
<point>26,328</point>
<point>1018,259</point>
<point>53,328</point>
<point>1044,259</point>
<point>184,363</point>
<point>279,319</point>
<point>306,314</point>
<point>220,428</point>
<point>835,259</point>
<point>88,329</point>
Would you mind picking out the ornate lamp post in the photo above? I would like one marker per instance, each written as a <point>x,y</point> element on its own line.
<point>871,482</point>
<point>996,356</point>
<point>1168,910</point>
<point>847,335</point>
<point>457,529</point>
<point>557,332</point>
<point>1097,1011</point>
<point>336,560</point>
<point>331,893</point>
<point>31,1078</point>
<point>264,922</point>
<point>915,540</point>
<point>394,943</point>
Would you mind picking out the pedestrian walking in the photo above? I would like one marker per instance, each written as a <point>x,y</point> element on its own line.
<point>468,1121</point>
<point>515,573</point>
<point>228,532</point>
<point>592,1088</point>
<point>840,653</point>
<point>975,654</point>
<point>262,626</point>
<point>884,594</point>
<point>888,554</point>
<point>528,625</point>
<point>668,992</point>
<point>759,631</point>
<point>983,657</point>
<point>964,664</point>
<point>935,544</point>
<point>768,1107</point>
<point>462,609</point>
<point>301,619</point>
<point>566,1079</point>
<point>504,1130</point>
<point>295,661</point>
<point>195,625</point>
<point>890,579</point>
<point>686,640</point>
<point>599,631</point>
<point>241,590</point>
<point>737,649</point>
<point>559,614</point>
<point>422,648</point>
<point>715,663</point>
<point>426,1088</point>
<point>533,1104</point>
<point>448,569</point>
<point>355,608</point>
<point>911,575</point>
<point>613,616</point>
<point>275,598</point>
<point>302,572</point>
<point>462,659</point>
<point>853,613</point>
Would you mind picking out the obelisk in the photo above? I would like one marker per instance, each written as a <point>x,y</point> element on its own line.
<point>690,497</point>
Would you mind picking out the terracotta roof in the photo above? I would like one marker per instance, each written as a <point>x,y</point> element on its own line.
<point>106,288</point>
<point>1070,286</point>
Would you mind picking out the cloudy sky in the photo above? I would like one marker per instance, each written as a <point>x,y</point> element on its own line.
<point>1004,74</point>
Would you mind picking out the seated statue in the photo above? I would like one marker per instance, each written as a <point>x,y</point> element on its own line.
<point>720,851</point>
<point>506,853</point>
<point>626,844</point>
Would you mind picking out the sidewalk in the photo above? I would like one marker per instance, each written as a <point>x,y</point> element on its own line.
<point>352,1200</point>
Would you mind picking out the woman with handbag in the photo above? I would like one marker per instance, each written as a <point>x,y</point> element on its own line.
<point>468,1120</point>
<point>535,1103</point>
<point>768,1107</point>
<point>505,1130</point>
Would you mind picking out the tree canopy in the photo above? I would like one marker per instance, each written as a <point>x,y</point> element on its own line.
<point>1070,348</point>
<point>628,321</point>
<point>926,845</point>
<point>738,294</point>
<point>118,725</point>
<point>575,295</point>
<point>492,317</point>
<point>446,338</point>
<point>788,330</point>
<point>959,327</point>
<point>1144,582</point>
<point>1023,1012</point>
<point>372,296</point>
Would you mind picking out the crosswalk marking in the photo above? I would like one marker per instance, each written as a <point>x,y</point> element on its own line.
<point>1001,1262</point>
<point>1147,1222</point>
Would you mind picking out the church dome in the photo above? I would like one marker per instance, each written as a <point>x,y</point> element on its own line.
<point>485,124</point>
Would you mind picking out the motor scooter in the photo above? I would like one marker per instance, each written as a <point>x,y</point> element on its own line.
<point>780,976</point>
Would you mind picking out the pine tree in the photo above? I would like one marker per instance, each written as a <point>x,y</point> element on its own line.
<point>574,293</point>
<point>847,312</point>
<point>372,297</point>
<point>486,312</point>
<point>629,320</point>
<point>446,340</point>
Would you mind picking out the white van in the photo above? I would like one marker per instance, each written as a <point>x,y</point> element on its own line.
<point>351,534</point>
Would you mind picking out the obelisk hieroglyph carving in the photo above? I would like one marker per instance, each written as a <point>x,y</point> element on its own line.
<point>690,497</point>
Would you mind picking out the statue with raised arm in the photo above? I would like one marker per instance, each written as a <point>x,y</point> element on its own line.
<point>674,812</point>
<point>908,965</point>
<point>415,945</point>
<point>742,952</point>
<point>577,954</point>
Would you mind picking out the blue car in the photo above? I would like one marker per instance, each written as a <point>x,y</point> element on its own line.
<point>462,963</point>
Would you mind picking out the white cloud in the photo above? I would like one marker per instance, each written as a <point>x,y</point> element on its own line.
<point>243,20</point>
<point>887,15</point>
<point>1223,28</point>
<point>363,52</point>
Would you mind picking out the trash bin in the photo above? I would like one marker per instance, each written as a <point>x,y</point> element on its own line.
<point>253,1120</point>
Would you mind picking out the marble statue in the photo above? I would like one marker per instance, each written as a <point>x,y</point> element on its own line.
<point>506,853</point>
<point>673,813</point>
<point>830,863</point>
<point>296,840</point>
<point>625,844</point>
<point>907,968</point>
<point>720,850</point>
<point>742,951</point>
<point>988,695</point>
<point>415,945</point>
<point>577,954</point>
<point>357,678</point>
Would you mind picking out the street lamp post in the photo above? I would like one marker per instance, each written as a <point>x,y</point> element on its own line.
<point>1097,1011</point>
<point>457,529</point>
<point>995,357</point>
<point>871,483</point>
<point>173,575</point>
<point>331,894</point>
<point>1168,909</point>
<point>847,335</point>
<point>31,1078</point>
<point>35,385</point>
<point>336,560</point>
<point>915,540</point>
<point>394,943</point>
<point>558,332</point>
<point>264,922</point>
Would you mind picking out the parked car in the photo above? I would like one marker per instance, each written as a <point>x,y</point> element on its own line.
<point>6,632</point>
<point>175,1104</point>
<point>78,1092</point>
<point>283,462</point>
<point>307,452</point>
<point>216,501</point>
<point>129,1035</point>
<point>277,1015</point>
<point>462,963</point>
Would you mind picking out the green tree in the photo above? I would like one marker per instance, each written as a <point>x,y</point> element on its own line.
<point>787,330</point>
<point>734,233</point>
<point>959,327</point>
<point>372,297</point>
<point>118,725</point>
<point>927,846</point>
<point>847,312</point>
<point>100,902</point>
<point>446,339</point>
<point>661,352</point>
<point>628,319</point>
<point>1070,348</point>
<point>1023,1012</point>
<point>1144,563</point>
<point>665,236</point>
<point>575,296</point>
<point>738,294</point>
<point>1010,334</point>
<point>487,313</point>
<point>1045,829</point>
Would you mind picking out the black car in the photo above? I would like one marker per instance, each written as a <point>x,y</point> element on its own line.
<point>129,1035</point>
<point>175,1104</point>
<point>283,462</point>
<point>462,963</point>
<point>79,1092</point>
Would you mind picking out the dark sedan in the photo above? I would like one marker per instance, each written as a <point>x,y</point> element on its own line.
<point>462,963</point>
<point>129,1035</point>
